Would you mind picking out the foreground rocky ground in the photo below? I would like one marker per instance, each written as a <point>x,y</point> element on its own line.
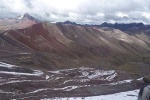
<point>22,83</point>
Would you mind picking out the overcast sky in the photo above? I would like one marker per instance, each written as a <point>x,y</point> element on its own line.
<point>80,11</point>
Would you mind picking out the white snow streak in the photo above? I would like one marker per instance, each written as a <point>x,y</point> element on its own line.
<point>129,95</point>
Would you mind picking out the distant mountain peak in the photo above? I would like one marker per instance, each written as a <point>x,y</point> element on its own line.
<point>28,16</point>
<point>69,22</point>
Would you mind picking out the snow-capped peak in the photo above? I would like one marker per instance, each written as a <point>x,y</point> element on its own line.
<point>20,17</point>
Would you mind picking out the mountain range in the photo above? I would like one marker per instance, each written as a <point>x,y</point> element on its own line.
<point>46,60</point>
<point>67,44</point>
<point>120,26</point>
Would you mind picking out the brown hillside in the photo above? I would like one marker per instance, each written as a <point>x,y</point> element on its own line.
<point>55,46</point>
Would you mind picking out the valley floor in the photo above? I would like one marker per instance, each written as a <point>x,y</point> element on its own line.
<point>19,83</point>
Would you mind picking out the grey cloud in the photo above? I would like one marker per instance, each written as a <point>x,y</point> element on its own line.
<point>80,11</point>
<point>28,4</point>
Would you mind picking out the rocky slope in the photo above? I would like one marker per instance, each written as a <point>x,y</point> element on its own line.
<point>64,46</point>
